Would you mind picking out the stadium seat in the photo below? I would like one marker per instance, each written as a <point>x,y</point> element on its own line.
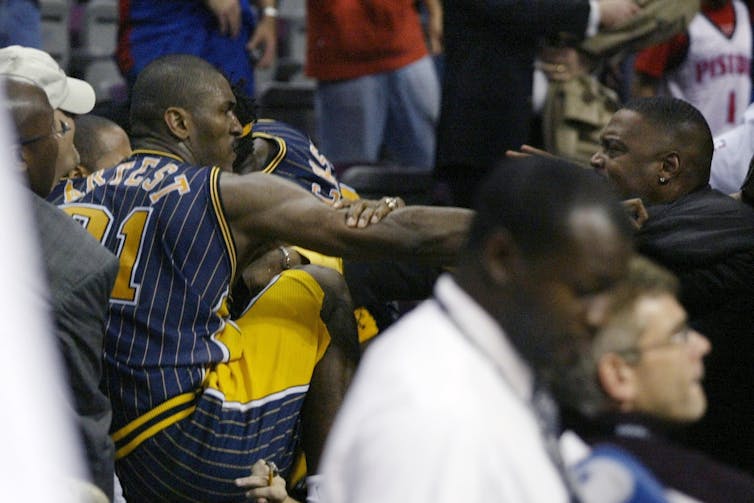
<point>105,77</point>
<point>291,102</point>
<point>373,181</point>
<point>99,30</point>
<point>56,39</point>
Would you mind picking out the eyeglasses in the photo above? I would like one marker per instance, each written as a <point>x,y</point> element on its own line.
<point>680,338</point>
<point>64,128</point>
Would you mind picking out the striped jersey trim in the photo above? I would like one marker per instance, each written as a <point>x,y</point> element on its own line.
<point>161,153</point>
<point>140,429</point>
<point>214,188</point>
<point>243,407</point>
<point>282,150</point>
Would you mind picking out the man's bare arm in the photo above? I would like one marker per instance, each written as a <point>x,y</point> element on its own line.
<point>261,208</point>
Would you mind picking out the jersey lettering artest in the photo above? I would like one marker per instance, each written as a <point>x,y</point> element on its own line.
<point>169,301</point>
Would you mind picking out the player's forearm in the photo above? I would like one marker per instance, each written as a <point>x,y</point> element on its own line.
<point>440,232</point>
<point>426,233</point>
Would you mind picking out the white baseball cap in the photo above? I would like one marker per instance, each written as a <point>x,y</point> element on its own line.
<point>66,93</point>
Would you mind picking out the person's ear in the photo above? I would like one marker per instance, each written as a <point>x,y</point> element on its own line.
<point>671,167</point>
<point>78,172</point>
<point>498,256</point>
<point>617,379</point>
<point>178,121</point>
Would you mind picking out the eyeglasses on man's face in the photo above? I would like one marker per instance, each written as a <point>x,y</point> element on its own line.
<point>58,133</point>
<point>681,338</point>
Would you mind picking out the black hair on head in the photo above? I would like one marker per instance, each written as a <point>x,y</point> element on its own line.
<point>246,112</point>
<point>532,200</point>
<point>686,123</point>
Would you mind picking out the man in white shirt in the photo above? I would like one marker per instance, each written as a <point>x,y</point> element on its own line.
<point>733,152</point>
<point>442,408</point>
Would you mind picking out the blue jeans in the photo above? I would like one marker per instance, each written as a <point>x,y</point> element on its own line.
<point>395,110</point>
<point>20,23</point>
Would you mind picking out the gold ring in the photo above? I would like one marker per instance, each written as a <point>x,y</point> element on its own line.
<point>273,471</point>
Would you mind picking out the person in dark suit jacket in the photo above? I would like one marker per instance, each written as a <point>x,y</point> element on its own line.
<point>80,274</point>
<point>490,47</point>
<point>659,149</point>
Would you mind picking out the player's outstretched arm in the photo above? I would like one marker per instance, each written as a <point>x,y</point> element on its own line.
<point>261,207</point>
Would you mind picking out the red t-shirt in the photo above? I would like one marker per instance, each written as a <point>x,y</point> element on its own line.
<point>348,39</point>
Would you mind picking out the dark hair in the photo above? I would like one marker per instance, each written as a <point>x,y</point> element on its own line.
<point>246,112</point>
<point>532,199</point>
<point>686,124</point>
<point>176,80</point>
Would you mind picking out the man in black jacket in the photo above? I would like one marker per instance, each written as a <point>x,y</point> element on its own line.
<point>660,149</point>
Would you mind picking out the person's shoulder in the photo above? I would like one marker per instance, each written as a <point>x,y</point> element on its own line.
<point>280,131</point>
<point>611,472</point>
<point>413,352</point>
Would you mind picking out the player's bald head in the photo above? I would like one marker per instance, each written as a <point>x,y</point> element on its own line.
<point>177,80</point>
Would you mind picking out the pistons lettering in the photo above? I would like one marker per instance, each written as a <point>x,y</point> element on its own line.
<point>726,64</point>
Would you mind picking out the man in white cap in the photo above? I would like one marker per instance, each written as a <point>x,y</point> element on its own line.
<point>67,95</point>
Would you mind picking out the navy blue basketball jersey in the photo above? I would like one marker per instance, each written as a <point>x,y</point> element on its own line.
<point>299,160</point>
<point>164,220</point>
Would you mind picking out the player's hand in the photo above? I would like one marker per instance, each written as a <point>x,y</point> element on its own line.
<point>637,213</point>
<point>264,484</point>
<point>264,41</point>
<point>228,14</point>
<point>276,260</point>
<point>363,212</point>
<point>528,151</point>
<point>613,13</point>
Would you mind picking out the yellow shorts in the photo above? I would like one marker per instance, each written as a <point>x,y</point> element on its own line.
<point>282,338</point>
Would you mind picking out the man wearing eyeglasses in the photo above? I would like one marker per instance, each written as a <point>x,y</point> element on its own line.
<point>68,96</point>
<point>643,379</point>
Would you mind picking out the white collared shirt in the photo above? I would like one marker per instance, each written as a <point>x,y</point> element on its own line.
<point>733,152</point>
<point>439,412</point>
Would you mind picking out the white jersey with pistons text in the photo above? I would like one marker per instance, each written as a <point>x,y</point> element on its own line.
<point>715,75</point>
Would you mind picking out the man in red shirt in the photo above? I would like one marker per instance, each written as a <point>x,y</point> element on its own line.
<point>378,89</point>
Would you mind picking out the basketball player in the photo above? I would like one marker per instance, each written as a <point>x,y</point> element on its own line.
<point>277,148</point>
<point>190,417</point>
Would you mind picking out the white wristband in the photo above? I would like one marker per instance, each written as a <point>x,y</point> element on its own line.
<point>270,12</point>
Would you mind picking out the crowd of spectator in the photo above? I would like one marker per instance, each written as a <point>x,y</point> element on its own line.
<point>570,320</point>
